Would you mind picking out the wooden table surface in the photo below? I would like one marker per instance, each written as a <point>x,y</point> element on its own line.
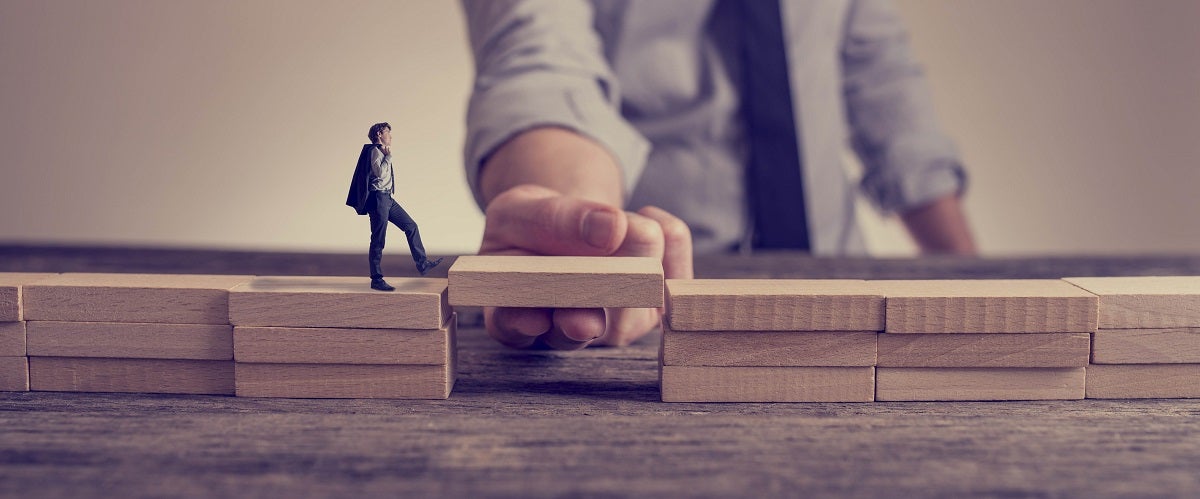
<point>589,422</point>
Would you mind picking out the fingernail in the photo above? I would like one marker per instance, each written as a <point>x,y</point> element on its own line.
<point>598,228</point>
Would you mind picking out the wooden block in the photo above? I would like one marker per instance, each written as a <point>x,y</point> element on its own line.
<point>557,281</point>
<point>984,350</point>
<point>1145,302</point>
<point>773,305</point>
<point>136,298</point>
<point>130,340</point>
<point>983,383</point>
<point>342,302</point>
<point>988,306</point>
<point>10,293</point>
<point>1146,346</point>
<point>279,345</point>
<point>1143,381</point>
<point>64,374</point>
<point>767,384</point>
<point>768,348</point>
<point>12,339</point>
<point>14,374</point>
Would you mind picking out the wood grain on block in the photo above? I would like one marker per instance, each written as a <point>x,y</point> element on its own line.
<point>557,281</point>
<point>14,374</point>
<point>1145,302</point>
<point>345,381</point>
<point>10,292</point>
<point>988,306</point>
<point>167,299</point>
<point>280,345</point>
<point>978,383</point>
<point>12,339</point>
<point>342,302</point>
<point>130,340</point>
<point>773,305</point>
<point>768,348</point>
<point>984,350</point>
<point>1143,381</point>
<point>1146,346</point>
<point>64,374</point>
<point>767,384</point>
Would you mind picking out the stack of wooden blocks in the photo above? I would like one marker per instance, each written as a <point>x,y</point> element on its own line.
<point>14,362</point>
<point>984,340</point>
<point>1148,342</point>
<point>333,337</point>
<point>778,340</point>
<point>130,333</point>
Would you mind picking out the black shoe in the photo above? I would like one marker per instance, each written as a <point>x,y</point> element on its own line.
<point>381,285</point>
<point>424,266</point>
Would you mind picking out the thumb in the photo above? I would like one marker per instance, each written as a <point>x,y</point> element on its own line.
<point>543,221</point>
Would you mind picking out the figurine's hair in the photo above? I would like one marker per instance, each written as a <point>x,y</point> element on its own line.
<point>377,129</point>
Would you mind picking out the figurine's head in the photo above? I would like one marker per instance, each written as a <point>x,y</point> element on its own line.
<point>381,133</point>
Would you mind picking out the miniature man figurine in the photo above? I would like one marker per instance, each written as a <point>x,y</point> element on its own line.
<point>371,194</point>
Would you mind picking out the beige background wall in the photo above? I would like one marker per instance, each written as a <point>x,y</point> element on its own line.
<point>223,123</point>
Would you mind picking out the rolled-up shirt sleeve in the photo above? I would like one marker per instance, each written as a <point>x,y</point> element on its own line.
<point>908,160</point>
<point>541,63</point>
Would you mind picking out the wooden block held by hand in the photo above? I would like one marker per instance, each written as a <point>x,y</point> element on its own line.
<point>773,305</point>
<point>984,350</point>
<point>768,348</point>
<point>767,384</point>
<point>556,281</point>
<point>984,383</point>
<point>1143,381</point>
<point>166,299</point>
<point>339,302</point>
<point>1146,346</point>
<point>988,306</point>
<point>14,374</point>
<point>1145,302</point>
<point>278,345</point>
<point>10,292</point>
<point>63,374</point>
<point>130,340</point>
<point>12,339</point>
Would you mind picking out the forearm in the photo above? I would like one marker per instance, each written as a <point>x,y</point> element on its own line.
<point>940,227</point>
<point>557,159</point>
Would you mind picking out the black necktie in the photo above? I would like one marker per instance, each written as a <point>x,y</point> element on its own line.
<point>774,184</point>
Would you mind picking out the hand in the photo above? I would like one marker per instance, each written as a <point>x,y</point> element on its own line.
<point>534,220</point>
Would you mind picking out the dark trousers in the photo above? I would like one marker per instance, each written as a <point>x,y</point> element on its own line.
<point>383,209</point>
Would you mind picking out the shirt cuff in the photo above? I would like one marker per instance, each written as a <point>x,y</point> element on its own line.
<point>500,113</point>
<point>913,180</point>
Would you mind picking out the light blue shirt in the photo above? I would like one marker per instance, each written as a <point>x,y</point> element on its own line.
<point>655,82</point>
<point>382,172</point>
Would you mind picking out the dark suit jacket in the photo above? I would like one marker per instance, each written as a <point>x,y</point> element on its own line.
<point>360,183</point>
